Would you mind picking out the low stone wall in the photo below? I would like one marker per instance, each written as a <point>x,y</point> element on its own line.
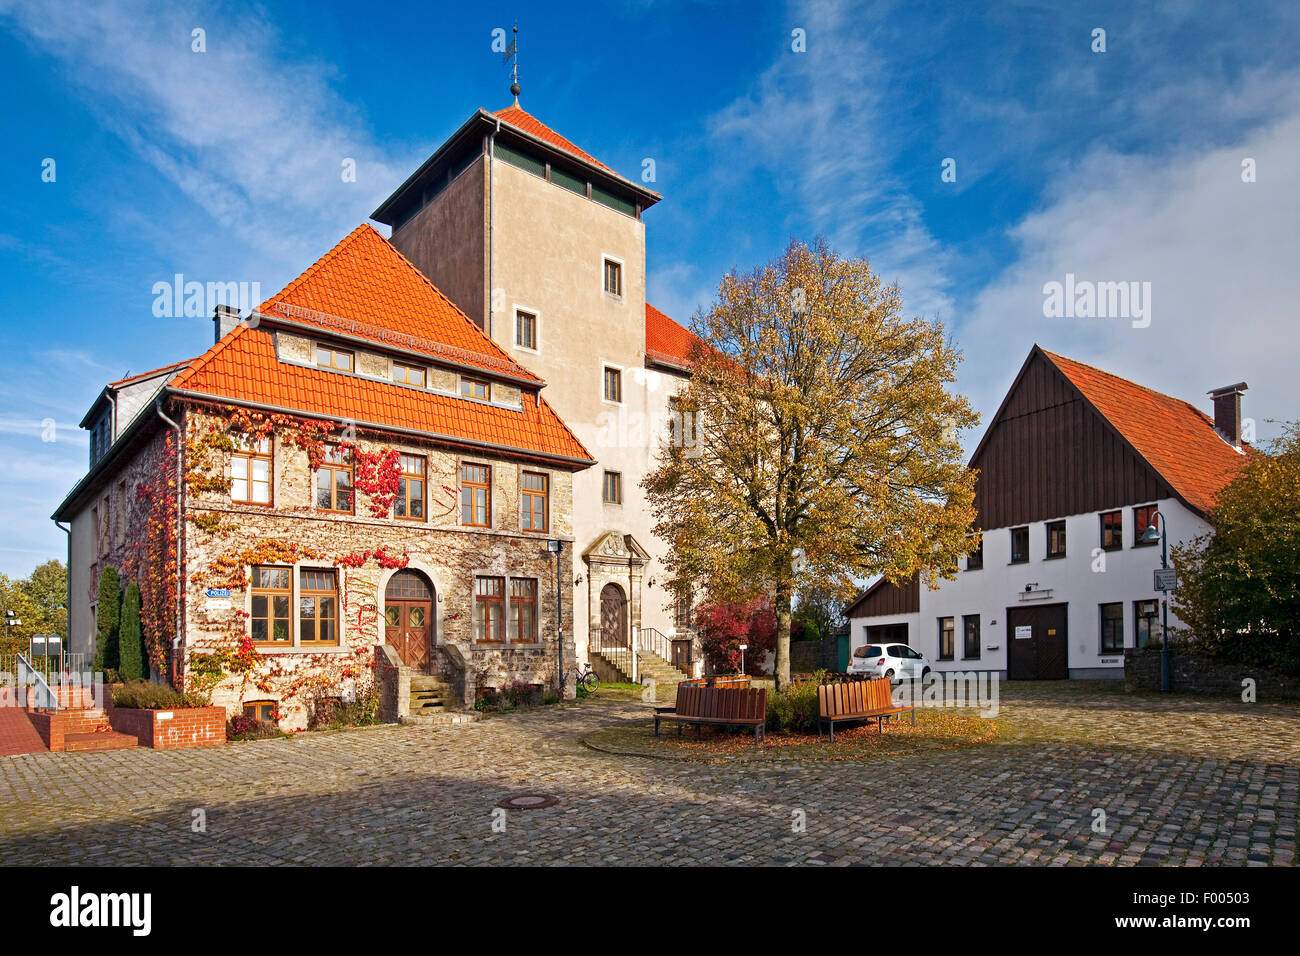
<point>1197,674</point>
<point>169,729</point>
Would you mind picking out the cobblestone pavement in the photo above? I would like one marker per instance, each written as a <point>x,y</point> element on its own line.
<point>1181,780</point>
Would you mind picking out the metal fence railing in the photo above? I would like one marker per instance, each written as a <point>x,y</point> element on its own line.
<point>28,676</point>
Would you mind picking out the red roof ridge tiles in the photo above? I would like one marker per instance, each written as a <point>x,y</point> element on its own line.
<point>1175,438</point>
<point>243,369</point>
<point>667,340</point>
<point>127,380</point>
<point>363,268</point>
<point>520,118</point>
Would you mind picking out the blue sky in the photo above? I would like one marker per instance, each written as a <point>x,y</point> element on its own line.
<point>225,166</point>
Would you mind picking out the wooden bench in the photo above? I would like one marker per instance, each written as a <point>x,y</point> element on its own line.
<point>735,706</point>
<point>857,700</point>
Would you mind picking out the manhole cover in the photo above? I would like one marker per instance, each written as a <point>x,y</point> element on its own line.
<point>528,801</point>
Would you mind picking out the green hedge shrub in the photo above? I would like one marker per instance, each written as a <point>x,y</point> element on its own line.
<point>143,695</point>
<point>795,708</point>
<point>129,639</point>
<point>108,613</point>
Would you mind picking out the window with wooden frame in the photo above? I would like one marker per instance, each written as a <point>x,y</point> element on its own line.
<point>534,493</point>
<point>250,472</point>
<point>970,629</point>
<point>475,388</point>
<point>1112,530</point>
<point>1020,545</point>
<point>318,607</point>
<point>1143,518</point>
<point>409,503</point>
<point>975,560</point>
<point>523,610</point>
<point>334,481</point>
<point>405,374</point>
<point>946,636</point>
<point>1056,539</point>
<point>340,359</point>
<point>1112,628</point>
<point>613,384</point>
<point>271,598</point>
<point>525,329</point>
<point>611,491</point>
<point>489,610</point>
<point>475,495</point>
<point>613,277</point>
<point>263,711</point>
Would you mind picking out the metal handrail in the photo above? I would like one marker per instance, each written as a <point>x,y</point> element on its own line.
<point>38,682</point>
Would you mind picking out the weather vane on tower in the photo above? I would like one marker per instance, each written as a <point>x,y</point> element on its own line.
<point>512,51</point>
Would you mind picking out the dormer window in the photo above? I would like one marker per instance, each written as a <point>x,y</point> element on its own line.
<point>338,359</point>
<point>100,438</point>
<point>475,388</point>
<point>408,374</point>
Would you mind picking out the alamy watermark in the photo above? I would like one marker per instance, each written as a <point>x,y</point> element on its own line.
<point>191,299</point>
<point>977,689</point>
<point>1085,299</point>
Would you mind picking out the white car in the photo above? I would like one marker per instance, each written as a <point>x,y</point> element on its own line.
<point>896,661</point>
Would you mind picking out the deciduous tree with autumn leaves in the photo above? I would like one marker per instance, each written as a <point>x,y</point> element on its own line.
<point>826,440</point>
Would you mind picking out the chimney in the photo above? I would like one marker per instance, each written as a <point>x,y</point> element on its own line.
<point>1227,412</point>
<point>226,317</point>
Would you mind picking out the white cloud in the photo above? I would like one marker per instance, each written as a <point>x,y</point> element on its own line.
<point>254,137</point>
<point>1220,255</point>
<point>819,122</point>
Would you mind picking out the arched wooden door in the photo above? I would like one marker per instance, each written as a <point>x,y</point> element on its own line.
<point>613,616</point>
<point>408,618</point>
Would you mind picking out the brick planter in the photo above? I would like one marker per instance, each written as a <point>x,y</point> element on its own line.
<point>168,729</point>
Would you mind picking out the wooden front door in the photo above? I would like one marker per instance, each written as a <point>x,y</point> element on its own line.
<point>613,616</point>
<point>1037,643</point>
<point>408,619</point>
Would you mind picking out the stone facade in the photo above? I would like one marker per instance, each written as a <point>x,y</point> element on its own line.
<point>448,555</point>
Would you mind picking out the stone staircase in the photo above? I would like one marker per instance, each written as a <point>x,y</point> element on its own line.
<point>651,665</point>
<point>434,704</point>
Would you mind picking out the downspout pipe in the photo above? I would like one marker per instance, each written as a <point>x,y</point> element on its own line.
<point>492,219</point>
<point>179,641</point>
<point>67,574</point>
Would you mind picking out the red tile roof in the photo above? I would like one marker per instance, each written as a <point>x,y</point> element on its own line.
<point>243,368</point>
<point>1176,438</point>
<point>667,340</point>
<point>517,117</point>
<point>367,288</point>
<point>152,372</point>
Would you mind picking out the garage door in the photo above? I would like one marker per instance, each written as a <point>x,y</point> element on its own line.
<point>1036,642</point>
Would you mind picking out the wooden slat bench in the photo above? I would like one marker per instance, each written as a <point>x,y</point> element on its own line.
<point>734,706</point>
<point>857,700</point>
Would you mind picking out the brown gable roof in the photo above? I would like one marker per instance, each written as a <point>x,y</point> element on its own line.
<point>1174,437</point>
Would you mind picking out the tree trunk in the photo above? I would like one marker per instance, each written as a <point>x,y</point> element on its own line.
<point>781,604</point>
